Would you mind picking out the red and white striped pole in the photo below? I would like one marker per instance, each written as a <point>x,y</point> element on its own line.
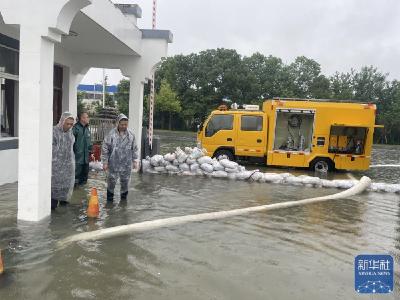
<point>154,14</point>
<point>152,88</point>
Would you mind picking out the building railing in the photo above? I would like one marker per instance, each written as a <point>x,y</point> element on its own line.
<point>99,128</point>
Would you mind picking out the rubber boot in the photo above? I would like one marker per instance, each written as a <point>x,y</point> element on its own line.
<point>124,196</point>
<point>110,196</point>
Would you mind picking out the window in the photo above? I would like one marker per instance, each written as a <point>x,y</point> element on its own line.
<point>251,123</point>
<point>9,57</point>
<point>219,122</point>
<point>8,60</point>
<point>7,107</point>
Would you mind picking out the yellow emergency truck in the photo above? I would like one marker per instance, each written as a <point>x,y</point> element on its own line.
<point>318,134</point>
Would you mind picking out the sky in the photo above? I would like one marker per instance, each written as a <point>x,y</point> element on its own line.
<point>338,34</point>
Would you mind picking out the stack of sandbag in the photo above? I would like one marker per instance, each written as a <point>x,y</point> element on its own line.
<point>194,161</point>
<point>385,187</point>
<point>191,161</point>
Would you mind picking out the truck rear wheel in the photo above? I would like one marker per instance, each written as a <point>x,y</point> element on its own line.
<point>322,164</point>
<point>224,152</point>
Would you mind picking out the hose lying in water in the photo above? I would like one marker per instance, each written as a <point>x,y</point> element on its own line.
<point>358,188</point>
<point>385,166</point>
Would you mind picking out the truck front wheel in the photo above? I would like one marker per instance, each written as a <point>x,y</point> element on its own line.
<point>322,164</point>
<point>224,152</point>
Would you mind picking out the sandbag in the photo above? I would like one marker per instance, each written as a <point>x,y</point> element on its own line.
<point>170,157</point>
<point>181,156</point>
<point>198,172</point>
<point>188,150</point>
<point>194,167</point>
<point>293,180</point>
<point>385,187</point>
<point>156,160</point>
<point>314,181</point>
<point>343,184</point>
<point>207,167</point>
<point>232,176</point>
<point>234,170</point>
<point>205,160</point>
<point>151,171</point>
<point>219,174</point>
<point>273,177</point>
<point>159,169</point>
<point>175,163</point>
<point>187,173</point>
<point>244,175</point>
<point>196,153</point>
<point>257,176</point>
<point>172,168</point>
<point>145,165</point>
<point>328,183</point>
<point>184,167</point>
<point>217,166</point>
<point>190,161</point>
<point>166,163</point>
<point>228,164</point>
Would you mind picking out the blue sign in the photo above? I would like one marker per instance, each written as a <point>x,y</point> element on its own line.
<point>373,274</point>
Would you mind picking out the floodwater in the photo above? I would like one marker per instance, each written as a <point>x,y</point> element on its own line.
<point>297,253</point>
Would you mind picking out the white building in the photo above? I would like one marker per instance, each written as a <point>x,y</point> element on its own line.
<point>46,47</point>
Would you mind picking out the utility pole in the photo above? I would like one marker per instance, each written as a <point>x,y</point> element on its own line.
<point>104,87</point>
<point>152,88</point>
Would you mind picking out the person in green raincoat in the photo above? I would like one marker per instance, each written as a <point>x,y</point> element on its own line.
<point>82,148</point>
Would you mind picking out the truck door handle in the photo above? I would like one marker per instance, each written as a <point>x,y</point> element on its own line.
<point>259,140</point>
<point>229,139</point>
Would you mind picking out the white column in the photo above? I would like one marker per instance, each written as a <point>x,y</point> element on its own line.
<point>70,93</point>
<point>35,124</point>
<point>73,93</point>
<point>65,89</point>
<point>136,109</point>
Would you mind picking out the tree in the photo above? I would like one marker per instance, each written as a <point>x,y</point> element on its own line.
<point>122,96</point>
<point>303,71</point>
<point>341,85</point>
<point>167,102</point>
<point>201,80</point>
<point>80,96</point>
<point>369,84</point>
<point>319,88</point>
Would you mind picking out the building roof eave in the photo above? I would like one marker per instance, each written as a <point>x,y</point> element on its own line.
<point>157,34</point>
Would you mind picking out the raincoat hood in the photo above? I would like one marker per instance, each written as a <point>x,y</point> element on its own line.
<point>64,116</point>
<point>120,118</point>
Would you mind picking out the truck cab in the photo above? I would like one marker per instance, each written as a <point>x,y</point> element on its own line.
<point>234,133</point>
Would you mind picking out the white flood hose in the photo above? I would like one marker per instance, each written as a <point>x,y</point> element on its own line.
<point>384,166</point>
<point>358,188</point>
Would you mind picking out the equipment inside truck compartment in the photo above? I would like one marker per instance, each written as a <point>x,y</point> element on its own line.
<point>293,129</point>
<point>347,139</point>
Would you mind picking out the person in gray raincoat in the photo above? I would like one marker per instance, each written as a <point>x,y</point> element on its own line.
<point>118,155</point>
<point>63,161</point>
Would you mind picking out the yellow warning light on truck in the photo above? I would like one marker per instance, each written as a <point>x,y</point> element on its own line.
<point>317,134</point>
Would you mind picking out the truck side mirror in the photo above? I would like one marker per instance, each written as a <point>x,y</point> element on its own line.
<point>199,127</point>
